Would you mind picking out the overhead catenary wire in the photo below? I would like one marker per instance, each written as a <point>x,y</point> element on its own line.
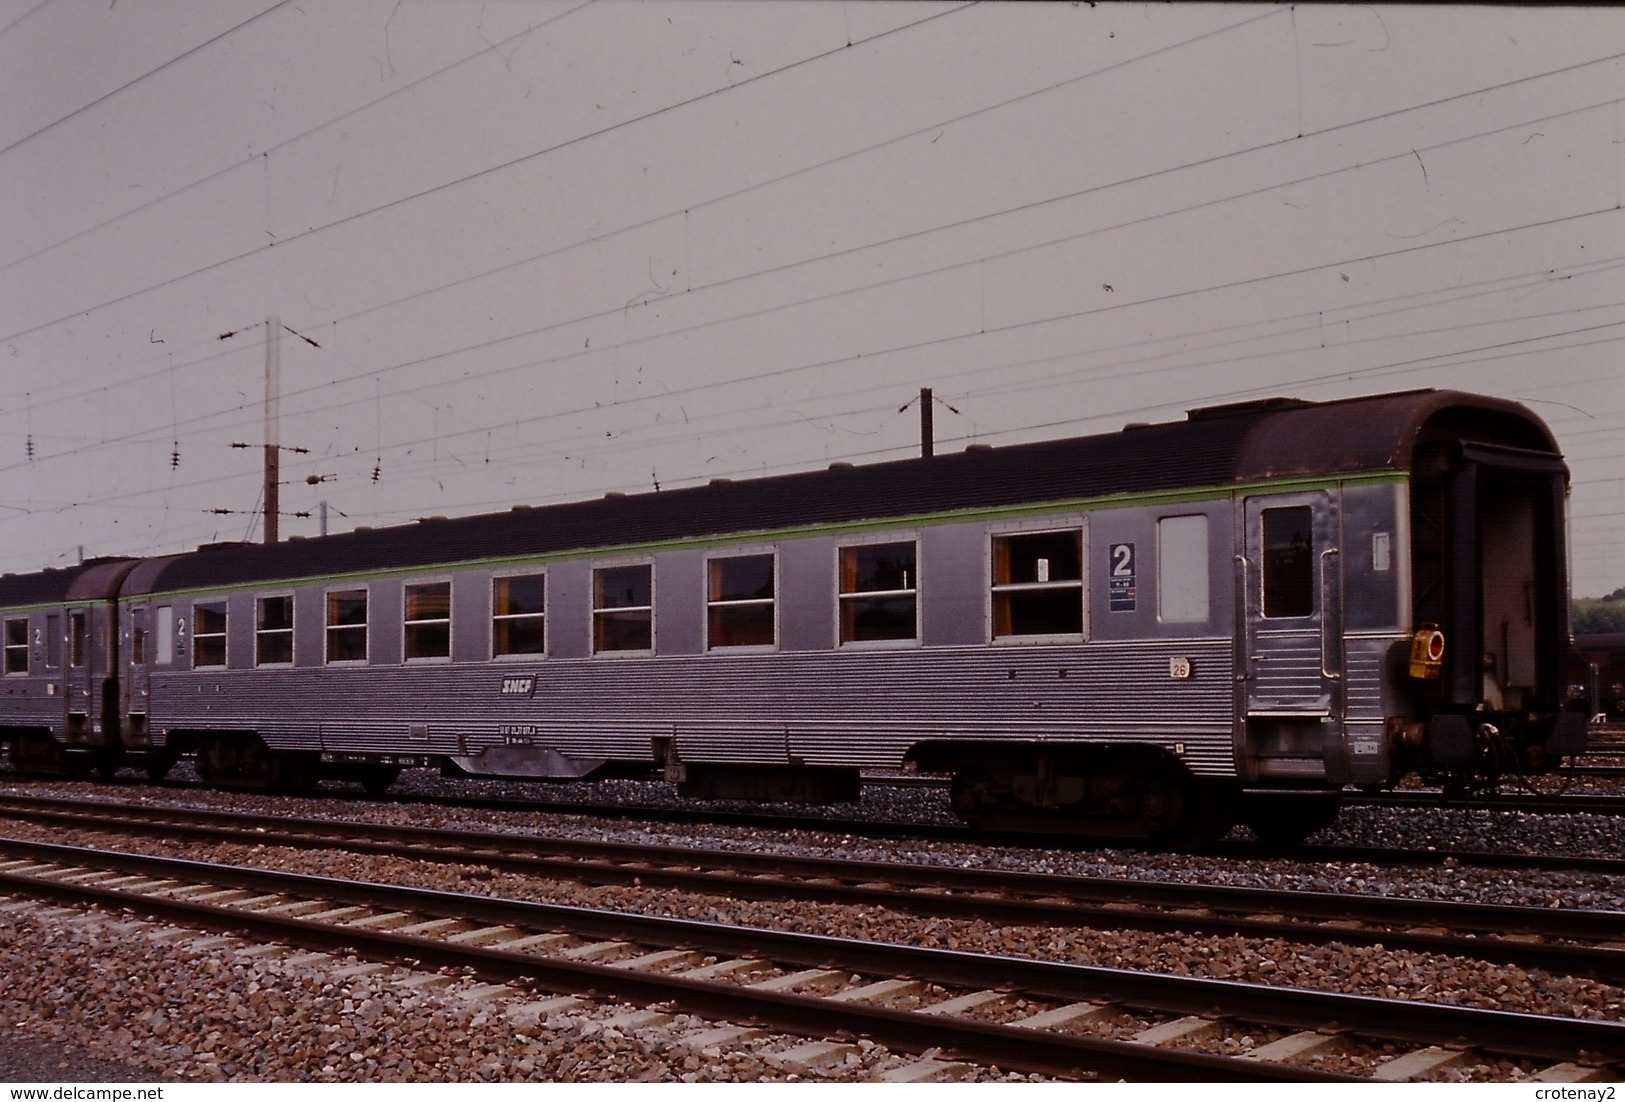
<point>438,188</point>
<point>257,158</point>
<point>1072,195</point>
<point>352,364</point>
<point>127,85</point>
<point>609,312</point>
<point>1397,367</point>
<point>827,363</point>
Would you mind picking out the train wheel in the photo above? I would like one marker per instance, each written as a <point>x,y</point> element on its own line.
<point>375,780</point>
<point>970,794</point>
<point>1160,804</point>
<point>157,766</point>
<point>1285,821</point>
<point>293,773</point>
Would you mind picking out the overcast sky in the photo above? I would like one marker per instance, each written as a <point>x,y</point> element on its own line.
<point>530,252</point>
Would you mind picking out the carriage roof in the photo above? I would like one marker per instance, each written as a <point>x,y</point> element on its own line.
<point>1211,449</point>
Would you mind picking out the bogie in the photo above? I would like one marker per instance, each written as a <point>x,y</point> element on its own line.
<point>242,760</point>
<point>1284,820</point>
<point>1098,792</point>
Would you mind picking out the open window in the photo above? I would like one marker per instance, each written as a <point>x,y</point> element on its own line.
<point>1038,584</point>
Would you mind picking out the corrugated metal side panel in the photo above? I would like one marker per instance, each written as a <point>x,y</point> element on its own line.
<point>1364,661</point>
<point>833,708</point>
<point>1287,670</point>
<point>1365,708</point>
<point>23,703</point>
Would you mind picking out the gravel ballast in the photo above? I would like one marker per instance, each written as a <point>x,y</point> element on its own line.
<point>64,963</point>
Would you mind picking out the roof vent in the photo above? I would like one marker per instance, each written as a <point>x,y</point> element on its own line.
<point>429,520</point>
<point>840,465</point>
<point>614,495</point>
<point>223,545</point>
<point>721,482</point>
<point>969,448</point>
<point>362,528</point>
<point>1237,409</point>
<point>521,508</point>
<point>1134,425</point>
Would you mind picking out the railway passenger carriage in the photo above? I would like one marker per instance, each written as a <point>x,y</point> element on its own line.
<point>1596,674</point>
<point>1143,634</point>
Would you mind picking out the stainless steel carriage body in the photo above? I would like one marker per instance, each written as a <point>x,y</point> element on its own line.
<point>1185,647</point>
<point>1274,596</point>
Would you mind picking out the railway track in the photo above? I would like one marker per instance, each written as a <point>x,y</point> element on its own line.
<point>958,833</point>
<point>1569,941</point>
<point>1020,1014</point>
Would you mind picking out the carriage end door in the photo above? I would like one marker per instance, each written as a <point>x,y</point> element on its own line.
<point>1292,631</point>
<point>79,676</point>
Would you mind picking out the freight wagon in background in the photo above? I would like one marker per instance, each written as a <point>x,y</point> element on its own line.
<point>1147,634</point>
<point>1596,674</point>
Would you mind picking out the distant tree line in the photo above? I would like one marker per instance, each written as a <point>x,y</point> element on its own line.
<point>1600,615</point>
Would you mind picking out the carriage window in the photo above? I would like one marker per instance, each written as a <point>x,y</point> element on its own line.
<point>623,608</point>
<point>347,625</point>
<point>1038,584</point>
<point>1289,564</point>
<point>518,611</point>
<point>1182,570</point>
<point>17,646</point>
<point>165,630</point>
<point>53,641</point>
<point>138,637</point>
<point>77,630</point>
<point>273,634</point>
<point>428,620</point>
<point>739,601</point>
<point>209,635</point>
<point>879,592</point>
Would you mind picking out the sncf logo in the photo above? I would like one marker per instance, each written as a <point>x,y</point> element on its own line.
<point>518,686</point>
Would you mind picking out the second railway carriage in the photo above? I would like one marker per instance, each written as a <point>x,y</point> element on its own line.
<point>1145,634</point>
<point>59,690</point>
<point>1596,674</point>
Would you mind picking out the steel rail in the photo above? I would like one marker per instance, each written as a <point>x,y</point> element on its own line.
<point>1387,855</point>
<point>1493,801</point>
<point>988,895</point>
<point>1503,1032</point>
<point>1010,1047</point>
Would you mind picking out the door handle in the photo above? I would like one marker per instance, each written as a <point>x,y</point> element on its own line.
<point>1325,614</point>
